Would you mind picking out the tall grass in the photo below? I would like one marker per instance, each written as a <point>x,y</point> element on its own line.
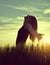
<point>23,55</point>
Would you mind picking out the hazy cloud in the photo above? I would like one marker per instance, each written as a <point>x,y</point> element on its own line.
<point>10,23</point>
<point>6,19</point>
<point>45,19</point>
<point>47,11</point>
<point>23,8</point>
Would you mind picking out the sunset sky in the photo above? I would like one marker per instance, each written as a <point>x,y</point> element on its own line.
<point>12,14</point>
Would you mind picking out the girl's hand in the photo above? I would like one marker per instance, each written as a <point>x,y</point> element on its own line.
<point>32,37</point>
<point>39,36</point>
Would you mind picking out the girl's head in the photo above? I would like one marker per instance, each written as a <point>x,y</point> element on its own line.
<point>31,20</point>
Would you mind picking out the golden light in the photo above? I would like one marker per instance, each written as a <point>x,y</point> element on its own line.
<point>46,40</point>
<point>44,44</point>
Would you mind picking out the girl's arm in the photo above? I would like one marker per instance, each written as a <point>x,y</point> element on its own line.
<point>30,29</point>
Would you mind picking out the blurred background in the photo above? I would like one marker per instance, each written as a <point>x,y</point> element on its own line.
<point>12,14</point>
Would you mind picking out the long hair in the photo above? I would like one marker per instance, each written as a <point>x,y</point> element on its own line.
<point>32,20</point>
<point>23,33</point>
<point>22,36</point>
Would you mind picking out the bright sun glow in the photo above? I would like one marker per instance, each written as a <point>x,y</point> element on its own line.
<point>45,42</point>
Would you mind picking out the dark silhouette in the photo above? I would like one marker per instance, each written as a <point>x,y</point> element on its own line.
<point>21,56</point>
<point>33,21</point>
<point>22,35</point>
<point>29,28</point>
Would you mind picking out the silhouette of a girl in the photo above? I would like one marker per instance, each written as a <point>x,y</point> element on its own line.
<point>29,28</point>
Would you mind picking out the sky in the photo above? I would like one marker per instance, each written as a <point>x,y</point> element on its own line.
<point>12,14</point>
